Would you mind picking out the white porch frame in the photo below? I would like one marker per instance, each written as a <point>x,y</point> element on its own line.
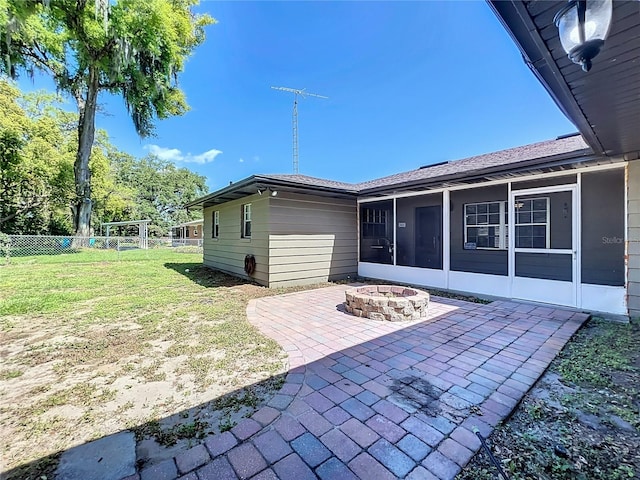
<point>558,292</point>
<point>598,298</point>
<point>143,230</point>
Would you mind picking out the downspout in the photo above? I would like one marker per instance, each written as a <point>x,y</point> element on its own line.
<point>626,239</point>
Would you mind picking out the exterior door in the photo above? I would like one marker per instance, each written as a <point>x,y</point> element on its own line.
<point>428,237</point>
<point>543,245</point>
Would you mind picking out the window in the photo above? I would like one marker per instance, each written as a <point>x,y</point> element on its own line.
<point>187,232</point>
<point>374,223</point>
<point>532,223</point>
<point>485,225</point>
<point>215,228</point>
<point>246,220</point>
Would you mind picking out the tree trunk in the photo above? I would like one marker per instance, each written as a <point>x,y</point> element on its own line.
<point>87,103</point>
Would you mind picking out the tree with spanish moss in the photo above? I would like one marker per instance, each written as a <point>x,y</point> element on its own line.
<point>131,48</point>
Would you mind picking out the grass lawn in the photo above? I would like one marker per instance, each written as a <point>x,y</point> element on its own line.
<point>581,421</point>
<point>152,342</point>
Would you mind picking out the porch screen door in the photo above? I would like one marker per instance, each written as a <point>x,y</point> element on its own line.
<point>543,245</point>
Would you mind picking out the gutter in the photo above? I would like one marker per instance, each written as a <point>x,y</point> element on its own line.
<point>234,186</point>
<point>284,183</point>
<point>559,160</point>
<point>267,182</point>
<point>516,20</point>
<point>554,161</point>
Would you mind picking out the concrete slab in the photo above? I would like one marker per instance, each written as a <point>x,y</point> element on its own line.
<point>108,458</point>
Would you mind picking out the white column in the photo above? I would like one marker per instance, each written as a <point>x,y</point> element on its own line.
<point>511,256</point>
<point>395,221</point>
<point>446,235</point>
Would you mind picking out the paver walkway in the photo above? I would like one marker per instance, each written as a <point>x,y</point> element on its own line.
<point>377,400</point>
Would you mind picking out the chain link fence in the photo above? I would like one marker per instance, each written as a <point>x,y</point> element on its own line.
<point>95,247</point>
<point>186,242</point>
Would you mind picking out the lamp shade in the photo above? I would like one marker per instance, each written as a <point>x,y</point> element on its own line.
<point>583,26</point>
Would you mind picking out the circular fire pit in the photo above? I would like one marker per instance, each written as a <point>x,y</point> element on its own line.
<point>385,302</point>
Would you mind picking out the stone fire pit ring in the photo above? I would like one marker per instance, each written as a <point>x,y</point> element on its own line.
<point>387,303</point>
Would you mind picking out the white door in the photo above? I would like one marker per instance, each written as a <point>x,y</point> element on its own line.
<point>543,244</point>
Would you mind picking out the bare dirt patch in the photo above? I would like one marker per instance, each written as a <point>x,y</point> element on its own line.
<point>160,348</point>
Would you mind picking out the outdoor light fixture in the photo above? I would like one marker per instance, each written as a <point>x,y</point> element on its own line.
<point>583,26</point>
<point>271,191</point>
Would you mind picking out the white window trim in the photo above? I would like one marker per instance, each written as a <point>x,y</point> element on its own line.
<point>246,218</point>
<point>215,232</point>
<point>502,242</point>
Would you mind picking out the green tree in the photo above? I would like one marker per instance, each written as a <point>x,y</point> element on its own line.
<point>49,154</point>
<point>35,161</point>
<point>131,48</point>
<point>113,200</point>
<point>11,178</point>
<point>161,190</point>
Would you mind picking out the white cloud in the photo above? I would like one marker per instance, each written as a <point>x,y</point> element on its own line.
<point>171,154</point>
<point>206,157</point>
<point>241,160</point>
<point>175,155</point>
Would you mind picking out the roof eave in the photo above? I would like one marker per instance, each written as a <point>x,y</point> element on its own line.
<point>517,22</point>
<point>199,202</point>
<point>266,181</point>
<point>582,156</point>
<point>269,181</point>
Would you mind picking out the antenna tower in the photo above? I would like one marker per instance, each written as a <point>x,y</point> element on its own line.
<point>302,93</point>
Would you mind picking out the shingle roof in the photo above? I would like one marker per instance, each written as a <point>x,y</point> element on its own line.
<point>569,147</point>
<point>572,146</point>
<point>566,148</point>
<point>311,181</point>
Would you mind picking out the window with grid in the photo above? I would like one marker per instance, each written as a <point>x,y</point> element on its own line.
<point>374,223</point>
<point>485,225</point>
<point>215,226</point>
<point>246,220</point>
<point>532,223</point>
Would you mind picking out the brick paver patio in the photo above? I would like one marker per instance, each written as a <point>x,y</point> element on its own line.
<point>377,400</point>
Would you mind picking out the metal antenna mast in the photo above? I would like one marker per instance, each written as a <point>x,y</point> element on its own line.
<point>303,94</point>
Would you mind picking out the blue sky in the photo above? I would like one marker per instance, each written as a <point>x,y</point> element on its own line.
<point>409,84</point>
